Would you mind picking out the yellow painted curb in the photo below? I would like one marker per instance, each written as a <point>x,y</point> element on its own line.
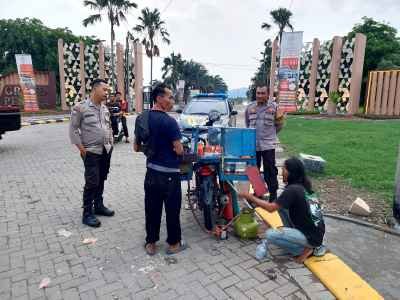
<point>272,219</point>
<point>340,279</point>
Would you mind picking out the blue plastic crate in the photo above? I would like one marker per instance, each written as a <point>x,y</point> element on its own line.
<point>239,147</point>
<point>237,142</point>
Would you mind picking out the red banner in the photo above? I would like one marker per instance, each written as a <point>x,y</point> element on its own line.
<point>27,79</point>
<point>288,72</point>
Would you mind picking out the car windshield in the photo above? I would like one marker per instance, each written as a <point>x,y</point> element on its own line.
<point>204,107</point>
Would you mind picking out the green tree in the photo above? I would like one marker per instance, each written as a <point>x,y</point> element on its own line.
<point>217,84</point>
<point>32,37</point>
<point>172,69</point>
<point>196,77</point>
<point>281,18</point>
<point>262,74</point>
<point>382,51</point>
<point>116,12</point>
<point>151,27</point>
<point>194,74</point>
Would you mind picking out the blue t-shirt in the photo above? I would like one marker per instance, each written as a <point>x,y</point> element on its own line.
<point>164,131</point>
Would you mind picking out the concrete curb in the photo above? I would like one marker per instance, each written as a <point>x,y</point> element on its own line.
<point>44,121</point>
<point>52,121</point>
<point>363,223</point>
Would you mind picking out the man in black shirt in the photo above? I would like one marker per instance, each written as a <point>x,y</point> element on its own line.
<point>123,105</point>
<point>115,112</point>
<point>162,183</point>
<point>305,235</point>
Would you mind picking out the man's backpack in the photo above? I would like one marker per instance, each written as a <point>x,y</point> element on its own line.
<point>315,209</point>
<point>142,134</point>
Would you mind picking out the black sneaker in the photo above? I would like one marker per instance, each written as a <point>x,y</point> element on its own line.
<point>91,220</point>
<point>103,211</point>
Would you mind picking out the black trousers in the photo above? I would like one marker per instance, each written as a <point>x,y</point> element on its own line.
<point>124,127</point>
<point>162,188</point>
<point>114,125</point>
<point>97,167</point>
<point>270,170</point>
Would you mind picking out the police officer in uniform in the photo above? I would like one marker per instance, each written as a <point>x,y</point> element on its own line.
<point>264,116</point>
<point>91,132</point>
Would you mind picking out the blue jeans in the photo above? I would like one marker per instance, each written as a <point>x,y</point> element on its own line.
<point>290,239</point>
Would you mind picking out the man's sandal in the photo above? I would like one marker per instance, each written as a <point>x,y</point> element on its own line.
<point>150,248</point>
<point>182,246</point>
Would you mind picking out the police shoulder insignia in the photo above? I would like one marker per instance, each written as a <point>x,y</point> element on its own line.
<point>77,108</point>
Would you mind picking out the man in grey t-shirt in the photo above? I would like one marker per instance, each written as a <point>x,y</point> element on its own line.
<point>262,116</point>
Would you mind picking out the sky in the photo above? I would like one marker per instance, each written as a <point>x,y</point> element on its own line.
<point>224,35</point>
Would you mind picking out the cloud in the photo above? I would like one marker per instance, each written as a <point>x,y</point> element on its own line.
<point>225,35</point>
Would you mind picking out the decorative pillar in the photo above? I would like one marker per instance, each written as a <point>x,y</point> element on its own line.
<point>61,73</point>
<point>120,70</point>
<point>313,75</point>
<point>138,50</point>
<point>82,69</point>
<point>101,61</point>
<point>335,67</point>
<point>357,71</point>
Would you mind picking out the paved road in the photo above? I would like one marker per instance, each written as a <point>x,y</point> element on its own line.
<point>40,193</point>
<point>373,254</point>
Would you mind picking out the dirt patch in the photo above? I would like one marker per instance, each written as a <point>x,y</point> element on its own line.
<point>337,196</point>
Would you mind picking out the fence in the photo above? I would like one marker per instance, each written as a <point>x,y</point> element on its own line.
<point>383,97</point>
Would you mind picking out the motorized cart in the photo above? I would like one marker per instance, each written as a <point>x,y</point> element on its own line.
<point>216,157</point>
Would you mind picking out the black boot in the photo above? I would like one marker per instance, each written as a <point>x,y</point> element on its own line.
<point>104,211</point>
<point>89,219</point>
<point>99,208</point>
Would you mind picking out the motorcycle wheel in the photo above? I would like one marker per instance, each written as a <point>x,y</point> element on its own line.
<point>207,199</point>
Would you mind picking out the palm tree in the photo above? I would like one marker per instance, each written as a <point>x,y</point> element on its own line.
<point>219,85</point>
<point>172,68</point>
<point>151,27</point>
<point>281,18</point>
<point>116,11</point>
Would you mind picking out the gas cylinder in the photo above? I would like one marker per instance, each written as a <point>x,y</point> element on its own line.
<point>246,226</point>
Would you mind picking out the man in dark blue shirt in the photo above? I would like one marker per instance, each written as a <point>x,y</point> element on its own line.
<point>162,184</point>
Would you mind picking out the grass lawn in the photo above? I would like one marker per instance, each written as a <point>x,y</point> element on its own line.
<point>362,152</point>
